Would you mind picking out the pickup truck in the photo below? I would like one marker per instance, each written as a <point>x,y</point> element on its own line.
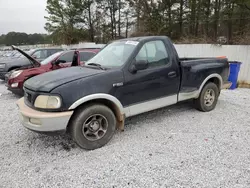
<point>63,59</point>
<point>127,77</point>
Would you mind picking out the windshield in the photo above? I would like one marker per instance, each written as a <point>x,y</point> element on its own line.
<point>114,54</point>
<point>50,58</point>
<point>30,52</point>
<point>18,55</point>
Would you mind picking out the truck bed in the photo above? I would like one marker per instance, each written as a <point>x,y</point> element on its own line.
<point>195,70</point>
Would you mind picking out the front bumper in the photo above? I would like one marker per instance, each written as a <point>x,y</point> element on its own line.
<point>43,121</point>
<point>18,90</point>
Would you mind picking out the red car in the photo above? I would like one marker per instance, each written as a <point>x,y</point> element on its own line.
<point>56,61</point>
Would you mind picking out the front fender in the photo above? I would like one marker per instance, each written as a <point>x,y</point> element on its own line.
<point>91,97</point>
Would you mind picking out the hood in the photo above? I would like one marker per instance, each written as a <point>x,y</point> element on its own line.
<point>50,80</point>
<point>32,60</point>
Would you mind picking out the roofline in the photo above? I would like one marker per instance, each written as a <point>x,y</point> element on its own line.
<point>142,38</point>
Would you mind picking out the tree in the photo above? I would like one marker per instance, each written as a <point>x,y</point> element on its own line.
<point>17,38</point>
<point>64,17</point>
<point>2,39</point>
<point>70,21</point>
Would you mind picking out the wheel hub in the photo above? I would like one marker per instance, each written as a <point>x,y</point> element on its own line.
<point>209,97</point>
<point>94,126</point>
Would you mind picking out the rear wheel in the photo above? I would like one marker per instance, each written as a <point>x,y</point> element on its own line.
<point>93,126</point>
<point>208,97</point>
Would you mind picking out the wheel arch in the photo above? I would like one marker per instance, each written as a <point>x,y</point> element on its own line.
<point>214,78</point>
<point>108,100</point>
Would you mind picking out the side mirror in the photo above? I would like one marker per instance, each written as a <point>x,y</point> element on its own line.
<point>34,56</point>
<point>139,65</point>
<point>57,62</point>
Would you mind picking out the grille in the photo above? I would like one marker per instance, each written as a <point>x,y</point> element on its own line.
<point>29,97</point>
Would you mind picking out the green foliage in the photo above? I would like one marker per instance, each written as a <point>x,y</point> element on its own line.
<point>15,38</point>
<point>194,19</point>
<point>72,21</point>
<point>64,17</point>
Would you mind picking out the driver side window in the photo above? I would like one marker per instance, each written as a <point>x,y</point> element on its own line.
<point>142,55</point>
<point>155,53</point>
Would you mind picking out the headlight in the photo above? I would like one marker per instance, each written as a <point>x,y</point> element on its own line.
<point>48,102</point>
<point>2,66</point>
<point>15,74</point>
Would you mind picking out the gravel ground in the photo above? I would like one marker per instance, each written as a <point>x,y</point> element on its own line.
<point>172,147</point>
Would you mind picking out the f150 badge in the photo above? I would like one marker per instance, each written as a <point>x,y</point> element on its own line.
<point>118,84</point>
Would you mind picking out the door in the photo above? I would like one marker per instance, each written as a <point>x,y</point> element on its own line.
<point>154,87</point>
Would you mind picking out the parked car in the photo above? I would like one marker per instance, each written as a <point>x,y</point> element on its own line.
<point>9,64</point>
<point>7,54</point>
<point>14,55</point>
<point>62,59</point>
<point>126,78</point>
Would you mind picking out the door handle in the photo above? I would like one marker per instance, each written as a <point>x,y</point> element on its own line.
<point>172,74</point>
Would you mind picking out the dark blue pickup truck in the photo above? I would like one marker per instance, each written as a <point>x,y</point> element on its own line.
<point>127,77</point>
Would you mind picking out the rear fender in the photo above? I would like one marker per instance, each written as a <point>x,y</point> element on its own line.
<point>210,77</point>
<point>196,94</point>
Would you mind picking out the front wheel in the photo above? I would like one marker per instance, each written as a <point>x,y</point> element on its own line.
<point>208,97</point>
<point>93,126</point>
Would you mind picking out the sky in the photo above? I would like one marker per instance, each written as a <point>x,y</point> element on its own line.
<point>22,16</point>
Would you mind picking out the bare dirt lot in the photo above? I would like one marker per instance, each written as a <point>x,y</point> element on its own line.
<point>173,147</point>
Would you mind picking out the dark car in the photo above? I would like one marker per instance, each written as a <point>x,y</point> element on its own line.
<point>56,61</point>
<point>126,78</point>
<point>9,64</point>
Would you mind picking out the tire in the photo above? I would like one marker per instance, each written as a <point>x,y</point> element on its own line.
<point>93,126</point>
<point>202,103</point>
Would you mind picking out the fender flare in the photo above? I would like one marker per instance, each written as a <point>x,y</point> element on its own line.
<point>215,75</point>
<point>88,98</point>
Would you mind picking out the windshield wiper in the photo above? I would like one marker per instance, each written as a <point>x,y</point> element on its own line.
<point>97,65</point>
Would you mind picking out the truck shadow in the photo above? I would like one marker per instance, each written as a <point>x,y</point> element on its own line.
<point>159,114</point>
<point>45,141</point>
